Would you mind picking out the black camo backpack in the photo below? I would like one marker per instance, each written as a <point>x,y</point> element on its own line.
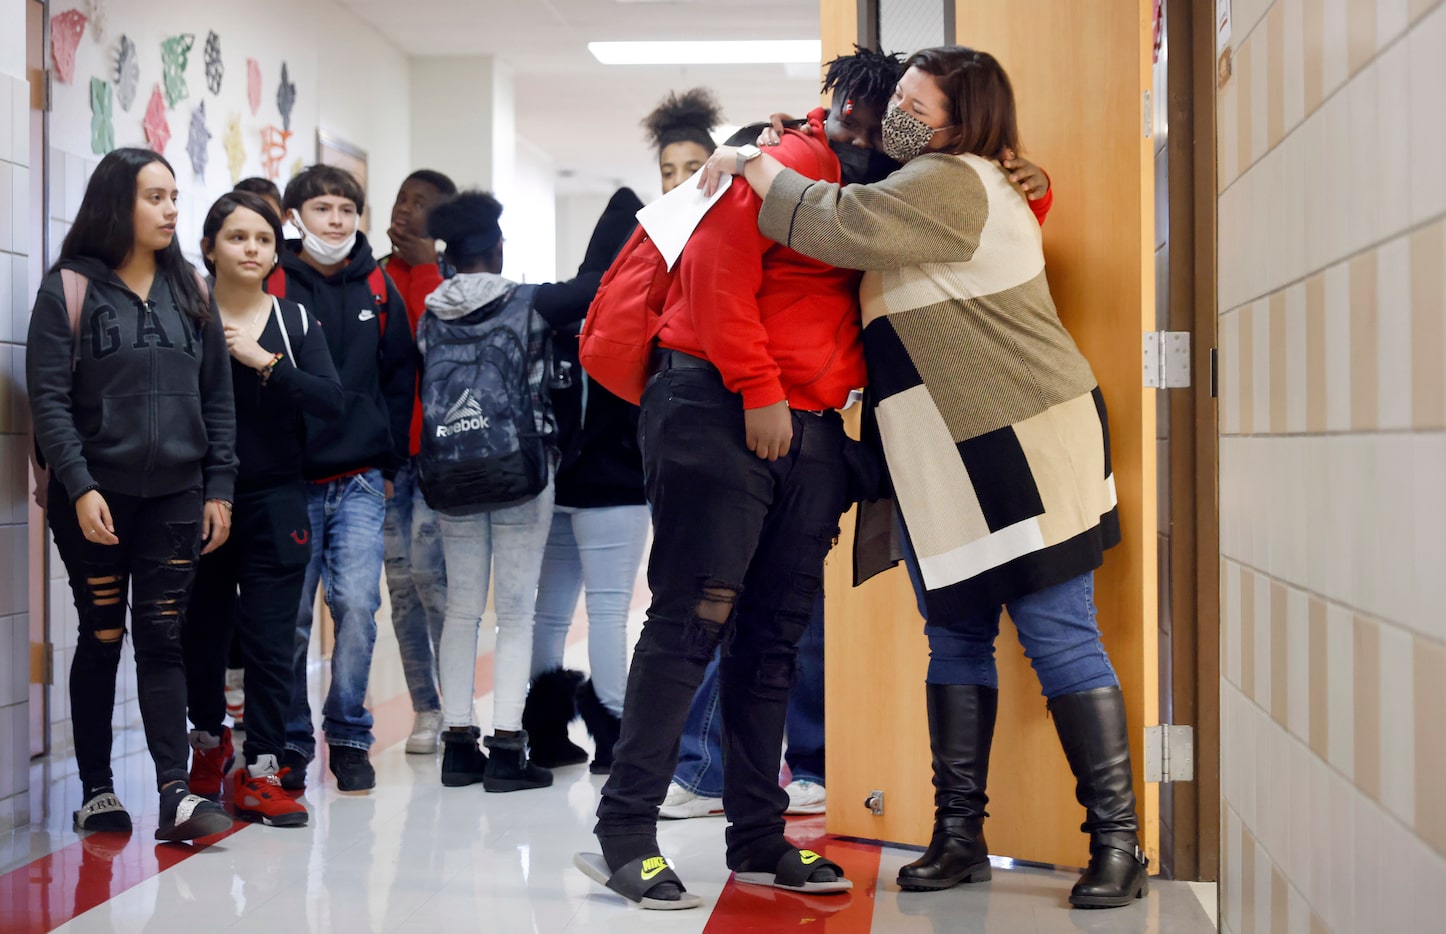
<point>487,423</point>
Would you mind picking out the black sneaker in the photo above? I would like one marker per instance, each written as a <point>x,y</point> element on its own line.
<point>102,811</point>
<point>352,768</point>
<point>185,816</point>
<point>293,773</point>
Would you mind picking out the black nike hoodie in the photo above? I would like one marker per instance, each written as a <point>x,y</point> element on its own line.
<point>378,370</point>
<point>147,409</point>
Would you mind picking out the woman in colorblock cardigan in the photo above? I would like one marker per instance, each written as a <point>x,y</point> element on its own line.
<point>995,434</point>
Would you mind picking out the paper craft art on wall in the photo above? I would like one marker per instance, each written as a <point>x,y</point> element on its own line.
<point>65,32</point>
<point>273,150</point>
<point>158,131</point>
<point>99,19</point>
<point>235,148</point>
<point>175,53</point>
<point>285,98</point>
<point>215,69</point>
<point>102,129</point>
<point>198,140</point>
<point>127,71</point>
<point>253,85</point>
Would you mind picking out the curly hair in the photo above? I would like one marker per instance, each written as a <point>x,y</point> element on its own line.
<point>686,117</point>
<point>868,76</point>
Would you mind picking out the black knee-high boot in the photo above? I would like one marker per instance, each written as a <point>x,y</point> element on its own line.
<point>961,732</point>
<point>1096,740</point>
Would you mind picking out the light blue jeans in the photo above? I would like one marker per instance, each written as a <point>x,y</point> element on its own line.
<point>346,559</point>
<point>416,585</point>
<point>601,550</point>
<point>508,543</point>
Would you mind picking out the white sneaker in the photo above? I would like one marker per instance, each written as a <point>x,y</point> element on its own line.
<point>426,729</point>
<point>805,797</point>
<point>681,804</point>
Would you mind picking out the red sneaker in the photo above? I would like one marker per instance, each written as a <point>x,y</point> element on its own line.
<point>264,800</point>
<point>209,766</point>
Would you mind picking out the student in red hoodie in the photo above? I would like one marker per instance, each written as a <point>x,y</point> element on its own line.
<point>416,571</point>
<point>744,465</point>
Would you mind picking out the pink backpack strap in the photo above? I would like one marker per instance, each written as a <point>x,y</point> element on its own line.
<point>75,286</point>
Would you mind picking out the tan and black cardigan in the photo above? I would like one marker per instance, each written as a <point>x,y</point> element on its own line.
<point>992,422</point>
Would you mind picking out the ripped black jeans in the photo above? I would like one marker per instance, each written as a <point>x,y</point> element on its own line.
<point>737,559</point>
<point>160,543</point>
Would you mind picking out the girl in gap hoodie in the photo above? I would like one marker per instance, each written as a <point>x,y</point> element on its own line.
<point>132,411</point>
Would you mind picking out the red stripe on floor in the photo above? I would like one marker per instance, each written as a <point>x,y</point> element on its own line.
<point>59,886</point>
<point>756,908</point>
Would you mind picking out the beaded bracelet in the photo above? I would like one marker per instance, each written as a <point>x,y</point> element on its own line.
<point>266,370</point>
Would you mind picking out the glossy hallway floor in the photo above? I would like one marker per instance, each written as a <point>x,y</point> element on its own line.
<point>416,857</point>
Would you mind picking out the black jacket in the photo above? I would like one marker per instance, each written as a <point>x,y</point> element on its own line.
<point>598,432</point>
<point>378,371</point>
<point>270,423</point>
<point>147,410</point>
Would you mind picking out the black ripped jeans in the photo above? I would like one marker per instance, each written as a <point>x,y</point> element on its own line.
<point>160,544</point>
<point>735,538</point>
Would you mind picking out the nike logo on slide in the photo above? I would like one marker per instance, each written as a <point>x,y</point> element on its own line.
<point>808,857</point>
<point>654,865</point>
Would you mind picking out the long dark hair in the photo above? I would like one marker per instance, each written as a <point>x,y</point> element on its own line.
<point>104,227</point>
<point>981,100</point>
<point>224,207</point>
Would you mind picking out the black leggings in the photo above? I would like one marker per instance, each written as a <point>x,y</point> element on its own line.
<point>265,559</point>
<point>160,542</point>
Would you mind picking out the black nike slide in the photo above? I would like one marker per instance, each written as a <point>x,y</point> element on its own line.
<point>795,872</point>
<point>635,880</point>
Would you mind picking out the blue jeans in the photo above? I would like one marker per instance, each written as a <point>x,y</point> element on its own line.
<point>700,753</point>
<point>601,548</point>
<point>416,585</point>
<point>502,547</point>
<point>1056,626</point>
<point>346,559</point>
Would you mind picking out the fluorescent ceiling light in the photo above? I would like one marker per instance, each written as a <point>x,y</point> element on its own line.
<point>708,52</point>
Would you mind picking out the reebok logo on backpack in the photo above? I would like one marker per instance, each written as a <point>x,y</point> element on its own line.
<point>487,424</point>
<point>464,415</point>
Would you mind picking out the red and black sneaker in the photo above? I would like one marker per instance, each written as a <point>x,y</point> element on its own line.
<point>262,799</point>
<point>210,763</point>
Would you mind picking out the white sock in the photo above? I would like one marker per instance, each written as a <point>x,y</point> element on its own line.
<point>264,765</point>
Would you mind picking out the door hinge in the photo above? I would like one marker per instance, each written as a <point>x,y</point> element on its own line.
<point>47,90</point>
<point>1214,373</point>
<point>1166,359</point>
<point>1169,753</point>
<point>1149,116</point>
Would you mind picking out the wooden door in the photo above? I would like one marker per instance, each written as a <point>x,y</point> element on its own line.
<point>1080,70</point>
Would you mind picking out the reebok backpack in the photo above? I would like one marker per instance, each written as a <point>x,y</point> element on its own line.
<point>487,424</point>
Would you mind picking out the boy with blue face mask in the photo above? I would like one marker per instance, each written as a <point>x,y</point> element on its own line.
<point>350,461</point>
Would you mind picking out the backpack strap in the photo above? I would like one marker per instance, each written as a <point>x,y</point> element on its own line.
<point>281,323</point>
<point>75,285</point>
<point>377,282</point>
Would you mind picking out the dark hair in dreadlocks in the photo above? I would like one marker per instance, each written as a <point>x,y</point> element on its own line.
<point>868,75</point>
<point>686,117</point>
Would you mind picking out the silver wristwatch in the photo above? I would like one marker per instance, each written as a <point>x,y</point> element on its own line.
<point>746,154</point>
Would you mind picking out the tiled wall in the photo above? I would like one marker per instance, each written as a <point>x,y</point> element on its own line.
<point>14,463</point>
<point>1332,246</point>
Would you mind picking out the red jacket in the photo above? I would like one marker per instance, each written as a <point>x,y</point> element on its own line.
<point>415,284</point>
<point>777,325</point>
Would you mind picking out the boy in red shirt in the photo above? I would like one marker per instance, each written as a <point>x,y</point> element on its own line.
<point>416,572</point>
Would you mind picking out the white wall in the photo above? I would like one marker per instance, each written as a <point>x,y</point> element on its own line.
<point>529,220</point>
<point>350,81</point>
<point>451,117</point>
<point>577,214</point>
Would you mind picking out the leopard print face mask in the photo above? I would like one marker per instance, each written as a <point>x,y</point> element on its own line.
<point>905,135</point>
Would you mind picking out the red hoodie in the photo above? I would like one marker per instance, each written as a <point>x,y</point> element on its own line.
<point>777,325</point>
<point>414,283</point>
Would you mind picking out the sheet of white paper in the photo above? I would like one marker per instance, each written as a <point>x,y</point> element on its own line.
<point>671,220</point>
